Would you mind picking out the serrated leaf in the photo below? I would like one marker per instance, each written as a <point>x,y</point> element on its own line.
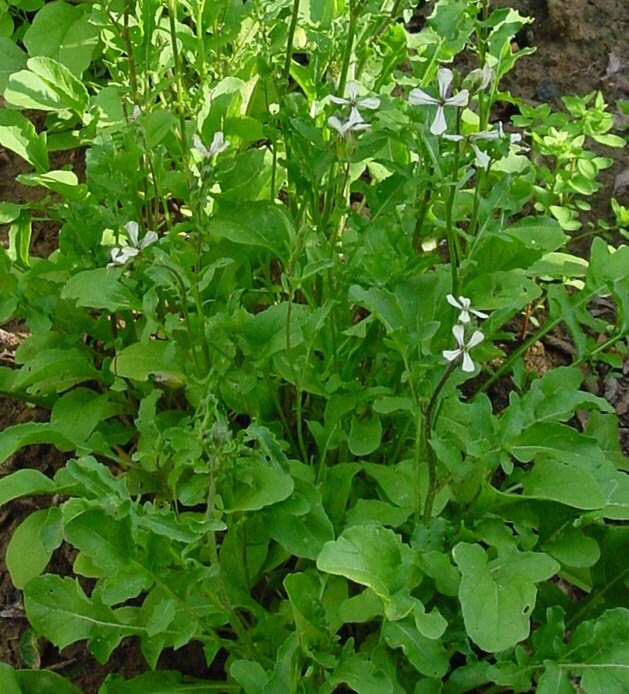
<point>58,609</point>
<point>100,288</point>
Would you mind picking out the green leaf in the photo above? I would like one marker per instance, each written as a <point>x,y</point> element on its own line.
<point>360,674</point>
<point>573,548</point>
<point>250,675</point>
<point>23,483</point>
<point>598,653</point>
<point>498,597</point>
<point>55,370</point>
<point>12,59</point>
<point>33,682</point>
<point>259,224</point>
<point>20,435</point>
<point>100,288</point>
<point>254,486</point>
<point>556,481</point>
<point>26,555</point>
<point>64,183</point>
<point>46,85</point>
<point>18,134</point>
<point>427,656</point>
<point>159,358</point>
<point>370,555</point>
<point>58,609</point>
<point>364,435</point>
<point>160,682</point>
<point>63,32</point>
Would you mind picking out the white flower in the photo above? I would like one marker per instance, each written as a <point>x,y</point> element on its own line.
<point>121,255</point>
<point>418,97</point>
<point>465,307</point>
<point>219,144</point>
<point>463,347</point>
<point>351,99</point>
<point>354,123</point>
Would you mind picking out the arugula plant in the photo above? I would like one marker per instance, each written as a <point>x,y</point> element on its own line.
<point>301,261</point>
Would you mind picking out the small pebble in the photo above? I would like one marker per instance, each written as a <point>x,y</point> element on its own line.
<point>546,90</point>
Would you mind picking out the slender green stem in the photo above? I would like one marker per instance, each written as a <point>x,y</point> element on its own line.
<point>430,422</point>
<point>172,17</point>
<point>289,42</point>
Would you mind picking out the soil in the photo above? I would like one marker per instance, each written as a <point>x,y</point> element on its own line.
<point>581,47</point>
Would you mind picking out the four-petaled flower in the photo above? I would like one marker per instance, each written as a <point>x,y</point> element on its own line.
<point>351,99</point>
<point>465,307</point>
<point>120,255</point>
<point>219,144</point>
<point>418,97</point>
<point>463,347</point>
<point>354,123</point>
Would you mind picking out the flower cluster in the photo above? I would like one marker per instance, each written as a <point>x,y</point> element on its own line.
<point>464,320</point>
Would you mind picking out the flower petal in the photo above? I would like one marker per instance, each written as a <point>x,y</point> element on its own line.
<point>197,143</point>
<point>336,123</point>
<point>468,364</point>
<point>453,301</point>
<point>439,125</point>
<point>482,159</point>
<point>451,354</point>
<point>352,89</point>
<point>149,238</point>
<point>459,99</point>
<point>459,334</point>
<point>479,314</point>
<point>418,97</point>
<point>370,102</point>
<point>476,339</point>
<point>444,78</point>
<point>133,232</point>
<point>338,100</point>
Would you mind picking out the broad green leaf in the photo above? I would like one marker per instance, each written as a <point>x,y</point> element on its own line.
<point>383,512</point>
<point>12,59</point>
<point>498,597</point>
<point>55,370</point>
<point>382,303</point>
<point>46,85</point>
<point>556,481</point>
<point>254,486</point>
<point>427,656</point>
<point>258,224</point>
<point>18,134</point>
<point>20,435</point>
<point>23,483</point>
<point>157,358</point>
<point>64,183</point>
<point>300,531</point>
<point>558,441</point>
<point>554,680</point>
<point>360,674</point>
<point>63,32</point>
<point>77,413</point>
<point>370,555</point>
<point>159,682</point>
<point>100,288</point>
<point>364,435</point>
<point>572,547</point>
<point>58,609</point>
<point>33,682</point>
<point>26,555</point>
<point>250,675</point>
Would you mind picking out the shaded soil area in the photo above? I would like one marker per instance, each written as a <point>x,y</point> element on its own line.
<point>582,46</point>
